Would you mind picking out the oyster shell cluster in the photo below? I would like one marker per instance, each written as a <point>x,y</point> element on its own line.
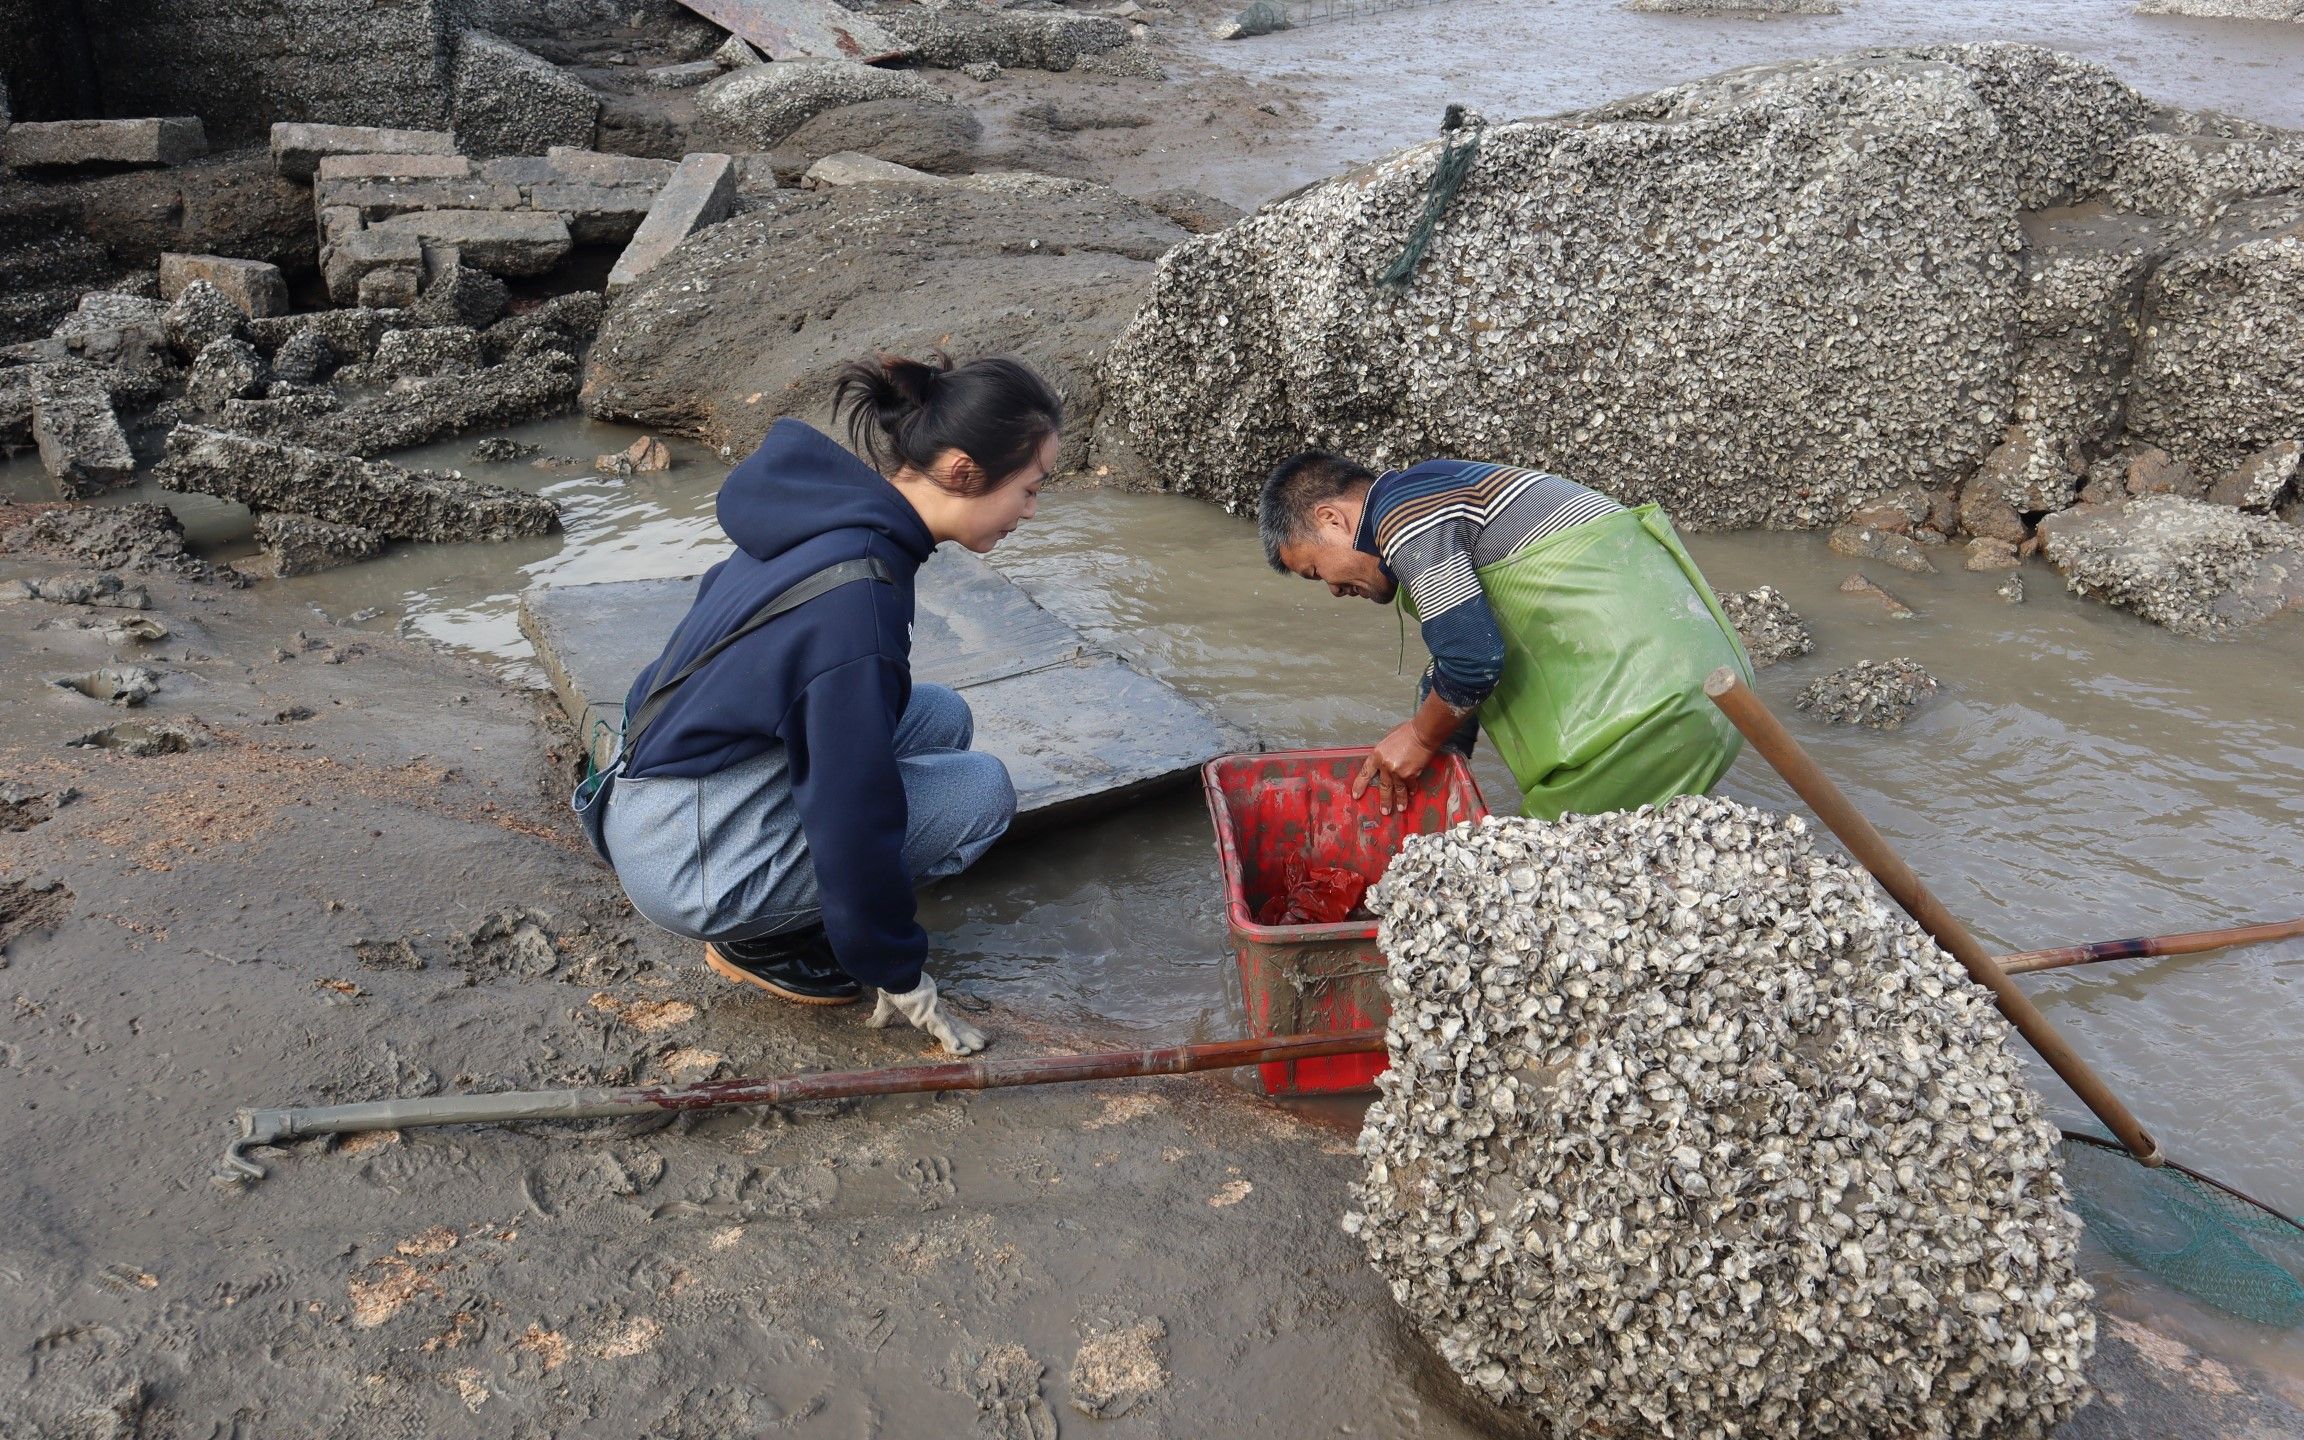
<point>1771,629</point>
<point>1688,1133</point>
<point>1878,694</point>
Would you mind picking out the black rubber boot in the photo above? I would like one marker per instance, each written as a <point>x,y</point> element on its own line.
<point>798,967</point>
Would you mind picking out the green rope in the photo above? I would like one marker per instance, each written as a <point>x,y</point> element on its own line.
<point>1463,131</point>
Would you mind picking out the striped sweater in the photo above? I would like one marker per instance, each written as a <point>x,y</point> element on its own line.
<point>1436,524</point>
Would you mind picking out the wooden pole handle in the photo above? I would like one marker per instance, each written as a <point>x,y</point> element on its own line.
<point>1872,851</point>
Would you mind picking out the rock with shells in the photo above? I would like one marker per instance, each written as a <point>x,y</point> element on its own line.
<point>1772,631</point>
<point>1688,1133</point>
<point>1877,694</point>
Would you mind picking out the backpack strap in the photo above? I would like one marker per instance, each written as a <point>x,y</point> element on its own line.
<point>824,581</point>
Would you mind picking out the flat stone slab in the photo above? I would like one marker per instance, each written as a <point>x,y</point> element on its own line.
<point>256,286</point>
<point>46,144</point>
<point>850,168</point>
<point>394,167</point>
<point>803,29</point>
<point>700,193</point>
<point>297,148</point>
<point>1080,730</point>
<point>501,242</point>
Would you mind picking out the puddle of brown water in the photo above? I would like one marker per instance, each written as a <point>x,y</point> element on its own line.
<point>1373,84</point>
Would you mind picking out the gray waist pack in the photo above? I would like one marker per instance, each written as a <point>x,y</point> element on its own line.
<point>590,802</point>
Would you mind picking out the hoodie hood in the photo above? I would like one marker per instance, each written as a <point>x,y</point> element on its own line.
<point>801,484</point>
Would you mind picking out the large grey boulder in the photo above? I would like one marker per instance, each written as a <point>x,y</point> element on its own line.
<point>762,104</point>
<point>509,102</point>
<point>748,320</point>
<point>937,135</point>
<point>2220,372</point>
<point>2196,567</point>
<point>1758,300</point>
<point>962,32</point>
<point>343,490</point>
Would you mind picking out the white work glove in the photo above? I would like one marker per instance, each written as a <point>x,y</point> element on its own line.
<point>922,1009</point>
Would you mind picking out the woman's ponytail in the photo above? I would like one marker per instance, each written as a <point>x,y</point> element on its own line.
<point>903,413</point>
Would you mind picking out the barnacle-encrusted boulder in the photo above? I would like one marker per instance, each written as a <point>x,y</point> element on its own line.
<point>1688,1133</point>
<point>2196,567</point>
<point>1758,299</point>
<point>1876,694</point>
<point>762,104</point>
<point>1772,631</point>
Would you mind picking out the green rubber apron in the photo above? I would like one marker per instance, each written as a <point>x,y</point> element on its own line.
<point>1609,633</point>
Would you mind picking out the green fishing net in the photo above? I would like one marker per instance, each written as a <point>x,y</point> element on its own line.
<point>2195,1234</point>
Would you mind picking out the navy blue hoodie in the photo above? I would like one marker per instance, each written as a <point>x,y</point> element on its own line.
<point>828,680</point>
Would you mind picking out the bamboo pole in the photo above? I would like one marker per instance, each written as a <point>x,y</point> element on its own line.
<point>2191,942</point>
<point>270,1127</point>
<point>1872,851</point>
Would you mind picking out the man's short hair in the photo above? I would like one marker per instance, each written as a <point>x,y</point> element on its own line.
<point>1301,483</point>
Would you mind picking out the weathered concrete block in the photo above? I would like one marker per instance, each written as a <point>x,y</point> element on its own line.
<point>395,503</point>
<point>699,194</point>
<point>850,168</point>
<point>394,167</point>
<point>434,350</point>
<point>338,221</point>
<point>256,286</point>
<point>457,294</point>
<point>596,214</point>
<point>302,544</point>
<point>765,103</point>
<point>228,369</point>
<point>391,287</point>
<point>200,316</point>
<point>347,262</point>
<point>115,329</point>
<point>297,149</point>
<point>681,77</point>
<point>82,446</point>
<point>500,242</point>
<point>54,144</point>
<point>509,102</point>
<point>377,200</point>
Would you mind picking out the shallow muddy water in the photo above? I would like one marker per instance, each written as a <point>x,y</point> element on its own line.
<point>1373,84</point>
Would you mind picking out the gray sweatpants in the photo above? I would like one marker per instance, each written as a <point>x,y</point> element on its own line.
<point>723,856</point>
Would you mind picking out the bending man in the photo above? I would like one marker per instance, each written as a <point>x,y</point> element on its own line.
<point>1577,632</point>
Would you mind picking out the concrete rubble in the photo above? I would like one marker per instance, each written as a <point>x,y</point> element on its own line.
<point>962,32</point>
<point>939,136</point>
<point>256,286</point>
<point>95,587</point>
<point>226,369</point>
<point>788,30</point>
<point>699,193</point>
<point>67,144</point>
<point>201,316</point>
<point>2195,567</point>
<point>340,489</point>
<point>1876,694</point>
<point>849,168</point>
<point>507,101</point>
<point>82,446</point>
<point>301,545</point>
<point>1663,1145</point>
<point>140,536</point>
<point>1772,631</point>
<point>762,105</point>
<point>298,148</point>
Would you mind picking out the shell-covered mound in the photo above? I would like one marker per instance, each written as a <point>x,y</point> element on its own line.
<point>1688,1133</point>
<point>1877,694</point>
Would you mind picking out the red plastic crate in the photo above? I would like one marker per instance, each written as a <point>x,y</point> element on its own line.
<point>1315,979</point>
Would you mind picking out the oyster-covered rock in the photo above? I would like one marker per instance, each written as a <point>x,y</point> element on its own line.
<point>1877,694</point>
<point>1689,1133</point>
<point>1772,631</point>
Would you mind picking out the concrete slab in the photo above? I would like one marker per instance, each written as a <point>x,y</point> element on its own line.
<point>510,243</point>
<point>700,193</point>
<point>256,286</point>
<point>47,144</point>
<point>382,199</point>
<point>297,148</point>
<point>394,167</point>
<point>802,29</point>
<point>1080,731</point>
<point>595,214</point>
<point>850,168</point>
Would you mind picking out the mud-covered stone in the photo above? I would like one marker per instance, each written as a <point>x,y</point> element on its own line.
<point>141,536</point>
<point>1869,542</point>
<point>1684,1132</point>
<point>81,444</point>
<point>95,587</point>
<point>370,494</point>
<point>507,101</point>
<point>1876,694</point>
<point>1197,212</point>
<point>200,316</point>
<point>2194,567</point>
<point>1772,631</point>
<point>763,104</point>
<point>227,369</point>
<point>937,135</point>
<point>302,544</point>
<point>1638,286</point>
<point>1986,553</point>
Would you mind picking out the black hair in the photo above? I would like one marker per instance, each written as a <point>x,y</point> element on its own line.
<point>1295,488</point>
<point>902,412</point>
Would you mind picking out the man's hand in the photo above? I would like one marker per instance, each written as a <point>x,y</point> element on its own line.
<point>1392,767</point>
<point>923,1011</point>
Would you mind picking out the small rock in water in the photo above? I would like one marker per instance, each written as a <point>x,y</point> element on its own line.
<point>984,72</point>
<point>1877,694</point>
<point>645,456</point>
<point>1986,553</point>
<point>1771,630</point>
<point>1860,584</point>
<point>2012,590</point>
<point>1696,1136</point>
<point>1866,542</point>
<point>499,450</point>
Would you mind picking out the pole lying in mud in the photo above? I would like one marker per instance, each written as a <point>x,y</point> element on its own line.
<point>1872,851</point>
<point>2192,942</point>
<point>270,1127</point>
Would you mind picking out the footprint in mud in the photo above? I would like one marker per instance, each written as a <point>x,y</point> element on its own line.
<point>930,1177</point>
<point>137,740</point>
<point>529,944</point>
<point>21,809</point>
<point>1004,1381</point>
<point>740,1192</point>
<point>123,685</point>
<point>577,1178</point>
<point>387,955</point>
<point>25,907</point>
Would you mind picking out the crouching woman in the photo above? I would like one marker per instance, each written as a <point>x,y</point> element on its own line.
<point>784,785</point>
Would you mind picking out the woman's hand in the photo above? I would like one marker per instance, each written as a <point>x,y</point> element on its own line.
<point>1392,767</point>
